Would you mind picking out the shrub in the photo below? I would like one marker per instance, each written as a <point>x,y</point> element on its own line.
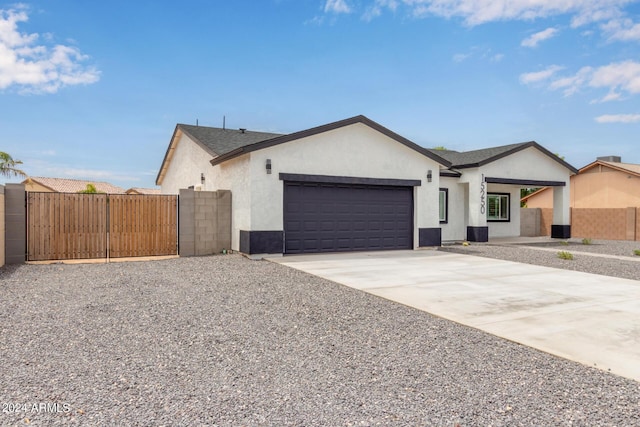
<point>586,241</point>
<point>565,255</point>
<point>636,252</point>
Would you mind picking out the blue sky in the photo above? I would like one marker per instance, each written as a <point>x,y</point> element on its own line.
<point>93,90</point>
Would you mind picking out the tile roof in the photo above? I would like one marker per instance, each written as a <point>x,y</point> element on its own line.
<point>631,167</point>
<point>139,190</point>
<point>66,185</point>
<point>221,141</point>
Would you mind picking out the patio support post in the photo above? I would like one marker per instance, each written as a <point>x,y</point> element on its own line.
<point>561,226</point>
<point>477,229</point>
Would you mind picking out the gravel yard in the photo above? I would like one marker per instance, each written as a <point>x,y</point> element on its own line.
<point>531,254</point>
<point>227,341</point>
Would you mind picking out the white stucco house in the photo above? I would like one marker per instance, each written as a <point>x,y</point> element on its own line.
<point>354,185</point>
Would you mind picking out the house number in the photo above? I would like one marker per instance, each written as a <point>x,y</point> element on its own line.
<point>483,206</point>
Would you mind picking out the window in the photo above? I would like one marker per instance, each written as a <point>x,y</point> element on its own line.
<point>498,207</point>
<point>444,200</point>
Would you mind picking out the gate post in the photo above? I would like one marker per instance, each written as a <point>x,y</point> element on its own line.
<point>15,208</point>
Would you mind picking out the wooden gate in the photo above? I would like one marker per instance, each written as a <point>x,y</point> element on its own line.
<point>82,226</point>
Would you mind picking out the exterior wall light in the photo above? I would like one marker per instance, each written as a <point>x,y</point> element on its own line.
<point>429,176</point>
<point>202,178</point>
<point>268,166</point>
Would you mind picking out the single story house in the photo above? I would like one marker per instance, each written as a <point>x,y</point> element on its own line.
<point>354,185</point>
<point>605,183</point>
<point>39,184</point>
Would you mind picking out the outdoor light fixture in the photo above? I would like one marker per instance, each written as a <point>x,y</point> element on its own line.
<point>202,178</point>
<point>429,175</point>
<point>268,166</point>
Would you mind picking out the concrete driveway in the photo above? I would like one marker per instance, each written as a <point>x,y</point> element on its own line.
<point>583,317</point>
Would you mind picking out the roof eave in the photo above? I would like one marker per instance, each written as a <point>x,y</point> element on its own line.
<point>609,165</point>
<point>325,128</point>
<point>164,166</point>
<point>514,150</point>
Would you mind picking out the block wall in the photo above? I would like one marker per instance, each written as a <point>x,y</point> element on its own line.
<point>205,222</point>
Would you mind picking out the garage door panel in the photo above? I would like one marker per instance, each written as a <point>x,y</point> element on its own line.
<point>331,218</point>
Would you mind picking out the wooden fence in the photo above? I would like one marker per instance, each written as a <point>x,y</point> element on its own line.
<point>81,226</point>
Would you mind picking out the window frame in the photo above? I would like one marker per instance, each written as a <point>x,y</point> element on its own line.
<point>444,191</point>
<point>508,197</point>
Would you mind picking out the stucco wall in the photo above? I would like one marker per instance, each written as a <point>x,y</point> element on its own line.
<point>599,187</point>
<point>32,186</point>
<point>508,228</point>
<point>603,187</point>
<point>528,164</point>
<point>543,199</point>
<point>355,151</point>
<point>456,226</point>
<point>188,162</point>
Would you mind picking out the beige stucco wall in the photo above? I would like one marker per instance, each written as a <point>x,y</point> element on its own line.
<point>34,187</point>
<point>599,187</point>
<point>603,187</point>
<point>543,199</point>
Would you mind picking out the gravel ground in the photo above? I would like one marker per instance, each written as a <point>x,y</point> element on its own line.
<point>230,342</point>
<point>527,253</point>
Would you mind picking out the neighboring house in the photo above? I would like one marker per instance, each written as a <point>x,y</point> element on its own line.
<point>138,190</point>
<point>356,185</point>
<point>605,183</point>
<point>64,185</point>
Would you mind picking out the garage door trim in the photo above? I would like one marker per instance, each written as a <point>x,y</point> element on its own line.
<point>330,179</point>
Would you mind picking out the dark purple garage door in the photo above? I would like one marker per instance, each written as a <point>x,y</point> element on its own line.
<point>321,217</point>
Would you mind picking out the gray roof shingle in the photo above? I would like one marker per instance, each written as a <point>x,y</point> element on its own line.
<point>478,157</point>
<point>475,158</point>
<point>221,141</point>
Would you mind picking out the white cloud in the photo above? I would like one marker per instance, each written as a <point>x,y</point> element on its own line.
<point>478,52</point>
<point>534,39</point>
<point>476,12</point>
<point>376,9</point>
<point>337,6</point>
<point>617,78</point>
<point>459,57</point>
<point>38,68</point>
<point>538,76</point>
<point>618,118</point>
<point>622,29</point>
<point>572,84</point>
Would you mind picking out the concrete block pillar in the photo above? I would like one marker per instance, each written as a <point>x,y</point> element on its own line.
<point>186,223</point>
<point>561,226</point>
<point>205,222</point>
<point>15,208</point>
